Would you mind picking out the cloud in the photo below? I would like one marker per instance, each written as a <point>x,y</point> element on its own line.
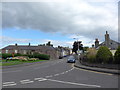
<point>9,40</point>
<point>88,19</point>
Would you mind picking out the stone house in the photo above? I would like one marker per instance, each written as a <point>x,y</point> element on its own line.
<point>111,44</point>
<point>28,49</point>
<point>63,51</point>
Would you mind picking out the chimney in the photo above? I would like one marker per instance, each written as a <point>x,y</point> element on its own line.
<point>29,44</point>
<point>96,43</point>
<point>92,45</point>
<point>107,39</point>
<point>16,44</point>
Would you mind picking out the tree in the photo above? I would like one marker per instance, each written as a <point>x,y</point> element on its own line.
<point>91,55</point>
<point>85,48</point>
<point>117,56</point>
<point>104,55</point>
<point>49,44</point>
<point>75,46</point>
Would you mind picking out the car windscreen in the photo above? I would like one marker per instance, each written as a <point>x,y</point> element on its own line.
<point>71,57</point>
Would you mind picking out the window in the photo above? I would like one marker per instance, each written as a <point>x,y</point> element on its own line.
<point>6,51</point>
<point>24,52</point>
<point>16,51</point>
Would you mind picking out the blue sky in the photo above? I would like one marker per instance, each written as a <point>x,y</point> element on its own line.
<point>32,34</point>
<point>35,37</point>
<point>58,21</point>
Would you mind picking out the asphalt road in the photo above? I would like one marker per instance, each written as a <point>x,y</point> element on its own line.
<point>56,74</point>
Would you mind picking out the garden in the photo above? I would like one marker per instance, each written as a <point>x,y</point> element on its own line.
<point>101,58</point>
<point>9,59</point>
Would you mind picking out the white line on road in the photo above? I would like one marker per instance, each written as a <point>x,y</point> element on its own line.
<point>40,79</point>
<point>9,84</point>
<point>26,81</point>
<point>74,83</point>
<point>48,76</point>
<point>56,74</point>
<point>62,73</point>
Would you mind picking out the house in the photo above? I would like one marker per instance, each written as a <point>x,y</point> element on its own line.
<point>28,49</point>
<point>63,51</point>
<point>111,44</point>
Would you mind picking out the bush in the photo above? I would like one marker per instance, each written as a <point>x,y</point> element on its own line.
<point>104,55</point>
<point>91,55</point>
<point>5,55</point>
<point>36,55</point>
<point>40,56</point>
<point>117,56</point>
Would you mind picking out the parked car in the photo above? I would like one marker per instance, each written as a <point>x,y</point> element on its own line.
<point>71,59</point>
<point>9,58</point>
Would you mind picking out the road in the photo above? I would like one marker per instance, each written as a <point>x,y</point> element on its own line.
<point>56,74</point>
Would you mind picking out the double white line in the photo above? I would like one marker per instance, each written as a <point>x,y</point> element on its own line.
<point>9,84</point>
<point>26,81</point>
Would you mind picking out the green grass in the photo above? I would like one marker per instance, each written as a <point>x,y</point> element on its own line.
<point>15,62</point>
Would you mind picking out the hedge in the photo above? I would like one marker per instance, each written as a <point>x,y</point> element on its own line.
<point>40,56</point>
<point>117,56</point>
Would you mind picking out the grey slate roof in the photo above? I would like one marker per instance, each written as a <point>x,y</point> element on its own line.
<point>26,47</point>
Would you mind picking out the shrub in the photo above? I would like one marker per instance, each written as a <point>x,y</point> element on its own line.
<point>104,55</point>
<point>40,56</point>
<point>91,55</point>
<point>117,56</point>
<point>5,55</point>
<point>36,55</point>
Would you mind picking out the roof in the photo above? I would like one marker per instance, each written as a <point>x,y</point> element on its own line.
<point>26,47</point>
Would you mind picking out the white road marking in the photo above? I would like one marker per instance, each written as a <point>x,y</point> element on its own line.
<point>11,71</point>
<point>66,71</point>
<point>62,73</point>
<point>37,78</point>
<point>74,83</point>
<point>9,84</point>
<point>48,76</point>
<point>40,79</point>
<point>26,81</point>
<point>56,74</point>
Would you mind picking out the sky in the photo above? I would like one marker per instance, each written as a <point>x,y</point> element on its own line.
<point>58,21</point>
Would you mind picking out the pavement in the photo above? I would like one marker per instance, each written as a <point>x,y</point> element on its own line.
<point>112,71</point>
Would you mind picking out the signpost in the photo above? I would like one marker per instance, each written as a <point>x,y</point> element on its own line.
<point>79,52</point>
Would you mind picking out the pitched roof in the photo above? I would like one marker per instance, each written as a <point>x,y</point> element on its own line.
<point>26,47</point>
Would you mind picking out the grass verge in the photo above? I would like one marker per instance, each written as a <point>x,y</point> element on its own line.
<point>16,62</point>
